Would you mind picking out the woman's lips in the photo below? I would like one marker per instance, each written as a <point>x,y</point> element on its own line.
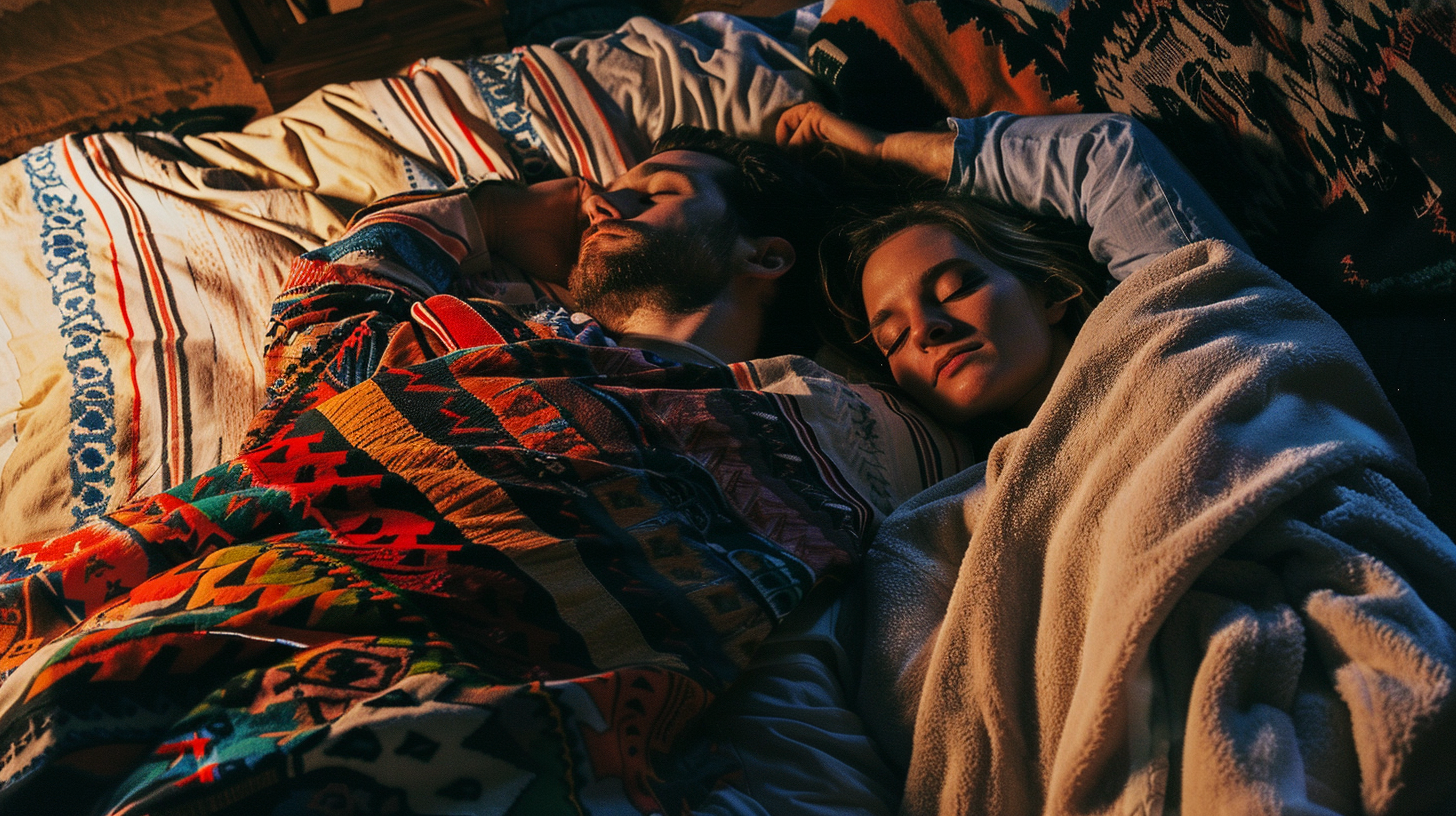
<point>952,361</point>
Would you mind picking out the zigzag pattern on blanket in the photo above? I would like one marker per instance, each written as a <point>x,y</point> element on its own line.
<point>187,239</point>
<point>505,578</point>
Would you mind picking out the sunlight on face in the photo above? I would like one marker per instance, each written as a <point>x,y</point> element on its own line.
<point>660,237</point>
<point>963,336</point>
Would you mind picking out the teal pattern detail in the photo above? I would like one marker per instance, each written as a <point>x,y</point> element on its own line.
<point>92,434</point>
<point>497,79</point>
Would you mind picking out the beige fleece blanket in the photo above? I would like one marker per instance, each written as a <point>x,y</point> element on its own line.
<point>1193,584</point>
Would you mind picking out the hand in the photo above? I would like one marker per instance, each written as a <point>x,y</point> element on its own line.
<point>811,125</point>
<point>803,127</point>
<point>536,228</point>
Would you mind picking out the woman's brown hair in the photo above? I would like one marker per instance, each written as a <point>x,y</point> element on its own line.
<point>1042,255</point>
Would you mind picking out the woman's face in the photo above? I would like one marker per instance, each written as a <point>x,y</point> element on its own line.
<point>963,336</point>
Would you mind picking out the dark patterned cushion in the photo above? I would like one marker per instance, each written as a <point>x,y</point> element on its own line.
<point>1326,130</point>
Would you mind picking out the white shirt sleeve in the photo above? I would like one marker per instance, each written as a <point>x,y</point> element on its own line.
<point>1104,171</point>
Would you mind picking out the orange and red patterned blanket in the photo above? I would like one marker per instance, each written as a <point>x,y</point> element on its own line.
<point>501,578</point>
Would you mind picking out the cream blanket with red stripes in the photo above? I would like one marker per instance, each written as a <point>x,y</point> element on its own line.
<point>139,270</point>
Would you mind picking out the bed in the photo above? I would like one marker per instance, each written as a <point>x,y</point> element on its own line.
<point>140,267</point>
<point>151,368</point>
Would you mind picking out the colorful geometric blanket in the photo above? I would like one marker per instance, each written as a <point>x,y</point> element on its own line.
<point>464,562</point>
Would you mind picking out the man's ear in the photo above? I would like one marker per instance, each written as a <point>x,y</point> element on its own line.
<point>770,257</point>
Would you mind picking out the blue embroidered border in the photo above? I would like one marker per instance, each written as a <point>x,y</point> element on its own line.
<point>497,79</point>
<point>403,245</point>
<point>420,177</point>
<point>73,290</point>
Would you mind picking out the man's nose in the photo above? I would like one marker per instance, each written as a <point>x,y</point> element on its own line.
<point>599,209</point>
<point>609,204</point>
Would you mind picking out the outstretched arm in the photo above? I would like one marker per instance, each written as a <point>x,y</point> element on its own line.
<point>1104,171</point>
<point>812,126</point>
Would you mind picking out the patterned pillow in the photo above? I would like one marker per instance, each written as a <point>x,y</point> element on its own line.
<point>1326,130</point>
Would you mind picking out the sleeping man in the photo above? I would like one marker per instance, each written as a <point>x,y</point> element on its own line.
<point>465,561</point>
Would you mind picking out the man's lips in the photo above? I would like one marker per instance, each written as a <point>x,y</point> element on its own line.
<point>613,228</point>
<point>951,360</point>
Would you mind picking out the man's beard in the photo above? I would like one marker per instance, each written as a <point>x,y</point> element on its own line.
<point>670,273</point>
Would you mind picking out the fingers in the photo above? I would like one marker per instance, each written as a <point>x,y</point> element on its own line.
<point>788,122</point>
<point>810,127</point>
<point>797,127</point>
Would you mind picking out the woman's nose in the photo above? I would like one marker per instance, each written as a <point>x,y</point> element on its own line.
<point>930,329</point>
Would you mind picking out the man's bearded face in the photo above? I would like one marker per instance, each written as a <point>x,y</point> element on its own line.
<point>626,266</point>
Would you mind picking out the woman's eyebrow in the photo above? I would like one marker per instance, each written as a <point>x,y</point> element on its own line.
<point>879,319</point>
<point>927,278</point>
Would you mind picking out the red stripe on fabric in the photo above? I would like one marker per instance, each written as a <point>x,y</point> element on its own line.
<point>442,238</point>
<point>563,118</point>
<point>744,376</point>
<point>466,327</point>
<point>427,126</point>
<point>309,273</point>
<point>451,103</point>
<point>427,319</point>
<point>434,158</point>
<point>606,126</point>
<point>169,330</point>
<point>573,117</point>
<point>136,388</point>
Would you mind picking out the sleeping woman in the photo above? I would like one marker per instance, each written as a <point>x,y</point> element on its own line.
<point>1189,576</point>
<point>971,310</point>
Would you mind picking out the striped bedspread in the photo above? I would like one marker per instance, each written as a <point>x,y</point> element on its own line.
<point>138,269</point>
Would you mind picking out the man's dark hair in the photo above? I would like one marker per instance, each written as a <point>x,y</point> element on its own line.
<point>771,194</point>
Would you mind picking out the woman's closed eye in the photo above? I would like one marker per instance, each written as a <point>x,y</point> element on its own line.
<point>890,340</point>
<point>960,283</point>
